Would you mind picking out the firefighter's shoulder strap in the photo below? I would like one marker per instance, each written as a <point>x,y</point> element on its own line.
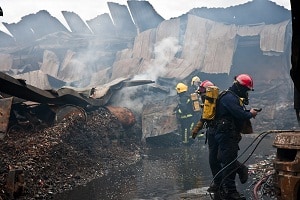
<point>241,100</point>
<point>222,94</point>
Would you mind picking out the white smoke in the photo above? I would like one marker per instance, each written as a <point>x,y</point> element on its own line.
<point>164,51</point>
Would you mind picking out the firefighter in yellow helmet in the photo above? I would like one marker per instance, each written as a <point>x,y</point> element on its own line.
<point>193,90</point>
<point>185,113</point>
<point>196,81</point>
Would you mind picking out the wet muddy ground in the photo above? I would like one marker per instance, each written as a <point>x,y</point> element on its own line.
<point>178,173</point>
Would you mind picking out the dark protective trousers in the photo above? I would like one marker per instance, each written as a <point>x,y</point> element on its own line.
<point>223,149</point>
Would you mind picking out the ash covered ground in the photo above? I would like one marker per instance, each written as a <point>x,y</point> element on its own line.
<point>67,154</point>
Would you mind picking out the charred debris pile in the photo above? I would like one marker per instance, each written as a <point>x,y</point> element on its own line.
<point>58,158</point>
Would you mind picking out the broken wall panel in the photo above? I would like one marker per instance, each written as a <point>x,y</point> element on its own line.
<point>213,62</point>
<point>6,40</point>
<point>76,24</point>
<point>6,62</point>
<point>204,41</point>
<point>158,118</point>
<point>144,44</point>
<point>252,12</point>
<point>72,69</point>
<point>250,30</point>
<point>149,69</point>
<point>41,80</point>
<point>180,69</point>
<point>168,28</point>
<point>203,45</point>
<point>50,63</point>
<point>57,41</point>
<point>141,12</point>
<point>124,54</point>
<point>20,32</point>
<point>42,23</point>
<point>276,34</point>
<point>100,77</point>
<point>195,38</point>
<point>125,68</point>
<point>103,26</point>
<point>122,20</point>
<point>34,26</point>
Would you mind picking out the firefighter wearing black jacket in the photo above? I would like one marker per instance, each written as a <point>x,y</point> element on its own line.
<point>224,135</point>
<point>185,113</point>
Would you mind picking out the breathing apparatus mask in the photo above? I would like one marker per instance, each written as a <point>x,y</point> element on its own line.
<point>245,101</point>
<point>242,92</point>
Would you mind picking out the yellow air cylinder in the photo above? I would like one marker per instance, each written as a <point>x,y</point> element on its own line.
<point>196,103</point>
<point>210,103</point>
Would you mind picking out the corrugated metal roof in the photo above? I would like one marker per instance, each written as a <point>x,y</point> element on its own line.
<point>40,80</point>
<point>272,37</point>
<point>206,46</point>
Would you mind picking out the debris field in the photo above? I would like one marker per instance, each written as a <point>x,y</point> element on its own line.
<point>60,157</point>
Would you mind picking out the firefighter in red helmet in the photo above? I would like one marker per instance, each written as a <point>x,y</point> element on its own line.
<point>201,124</point>
<point>224,135</point>
<point>245,80</point>
<point>202,89</point>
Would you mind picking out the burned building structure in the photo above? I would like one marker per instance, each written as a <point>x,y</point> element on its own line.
<point>213,43</point>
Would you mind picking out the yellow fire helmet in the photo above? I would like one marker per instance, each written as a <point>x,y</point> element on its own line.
<point>181,87</point>
<point>195,79</point>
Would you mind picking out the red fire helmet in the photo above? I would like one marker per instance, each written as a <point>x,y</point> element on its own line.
<point>245,80</point>
<point>204,85</point>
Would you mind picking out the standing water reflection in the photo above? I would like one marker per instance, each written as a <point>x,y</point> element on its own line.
<point>165,173</point>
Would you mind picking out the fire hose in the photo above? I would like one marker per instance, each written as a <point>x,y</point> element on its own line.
<point>262,135</point>
<point>257,186</point>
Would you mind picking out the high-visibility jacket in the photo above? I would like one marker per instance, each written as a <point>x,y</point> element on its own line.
<point>185,106</point>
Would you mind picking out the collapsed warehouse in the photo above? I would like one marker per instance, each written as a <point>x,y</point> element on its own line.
<point>163,51</point>
<point>95,59</point>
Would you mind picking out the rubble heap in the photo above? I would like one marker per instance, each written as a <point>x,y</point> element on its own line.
<point>66,155</point>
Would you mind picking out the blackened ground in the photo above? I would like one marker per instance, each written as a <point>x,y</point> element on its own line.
<point>68,154</point>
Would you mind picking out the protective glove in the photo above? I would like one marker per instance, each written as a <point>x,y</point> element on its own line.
<point>197,128</point>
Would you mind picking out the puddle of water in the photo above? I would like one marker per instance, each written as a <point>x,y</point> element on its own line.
<point>164,173</point>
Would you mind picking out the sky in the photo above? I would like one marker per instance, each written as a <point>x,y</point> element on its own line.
<point>14,10</point>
